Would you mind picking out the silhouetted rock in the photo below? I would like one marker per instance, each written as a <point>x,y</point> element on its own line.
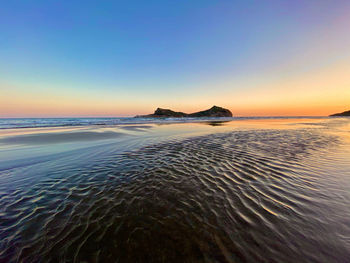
<point>159,112</point>
<point>214,111</point>
<point>342,114</point>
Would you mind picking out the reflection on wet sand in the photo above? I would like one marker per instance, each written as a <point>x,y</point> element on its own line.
<point>45,138</point>
<point>259,191</point>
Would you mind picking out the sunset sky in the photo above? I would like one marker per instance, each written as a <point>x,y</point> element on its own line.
<point>122,58</point>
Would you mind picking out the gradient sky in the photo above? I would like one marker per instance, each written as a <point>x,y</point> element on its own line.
<point>121,58</point>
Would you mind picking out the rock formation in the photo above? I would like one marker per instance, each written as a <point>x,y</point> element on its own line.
<point>345,113</point>
<point>214,111</point>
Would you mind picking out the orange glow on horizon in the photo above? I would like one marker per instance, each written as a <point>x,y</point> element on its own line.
<point>316,93</point>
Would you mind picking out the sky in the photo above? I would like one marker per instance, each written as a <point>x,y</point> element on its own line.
<point>122,58</point>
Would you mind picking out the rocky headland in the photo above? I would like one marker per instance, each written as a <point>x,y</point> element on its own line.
<point>214,111</point>
<point>342,114</point>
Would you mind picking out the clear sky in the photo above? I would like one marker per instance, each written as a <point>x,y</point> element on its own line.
<point>121,58</point>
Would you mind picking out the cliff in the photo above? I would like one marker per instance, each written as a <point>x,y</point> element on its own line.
<point>214,111</point>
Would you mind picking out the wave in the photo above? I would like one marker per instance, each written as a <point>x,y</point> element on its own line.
<point>17,123</point>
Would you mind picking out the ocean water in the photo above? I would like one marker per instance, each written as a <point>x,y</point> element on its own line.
<point>15,123</point>
<point>256,190</point>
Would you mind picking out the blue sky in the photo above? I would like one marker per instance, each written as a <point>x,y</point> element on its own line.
<point>160,49</point>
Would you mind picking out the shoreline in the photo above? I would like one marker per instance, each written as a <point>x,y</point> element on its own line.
<point>12,123</point>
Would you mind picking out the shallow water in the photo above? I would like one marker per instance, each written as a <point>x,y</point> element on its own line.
<point>242,191</point>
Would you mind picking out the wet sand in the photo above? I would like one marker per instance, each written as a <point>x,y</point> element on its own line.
<point>242,191</point>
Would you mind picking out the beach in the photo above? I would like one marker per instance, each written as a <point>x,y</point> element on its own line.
<point>216,190</point>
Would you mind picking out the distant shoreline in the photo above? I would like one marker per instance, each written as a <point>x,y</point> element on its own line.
<point>341,114</point>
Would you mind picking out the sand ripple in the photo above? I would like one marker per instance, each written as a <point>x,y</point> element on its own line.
<point>244,196</point>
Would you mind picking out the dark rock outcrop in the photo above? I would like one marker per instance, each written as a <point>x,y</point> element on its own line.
<point>342,114</point>
<point>214,111</point>
<point>168,113</point>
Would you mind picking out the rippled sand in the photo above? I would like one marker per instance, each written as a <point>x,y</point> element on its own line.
<point>263,191</point>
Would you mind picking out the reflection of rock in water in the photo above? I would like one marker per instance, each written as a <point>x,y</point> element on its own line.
<point>216,123</point>
<point>234,197</point>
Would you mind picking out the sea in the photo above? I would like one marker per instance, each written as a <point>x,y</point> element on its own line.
<point>13,123</point>
<point>257,189</point>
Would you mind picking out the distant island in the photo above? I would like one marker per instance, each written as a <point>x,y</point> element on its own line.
<point>342,114</point>
<point>214,111</point>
